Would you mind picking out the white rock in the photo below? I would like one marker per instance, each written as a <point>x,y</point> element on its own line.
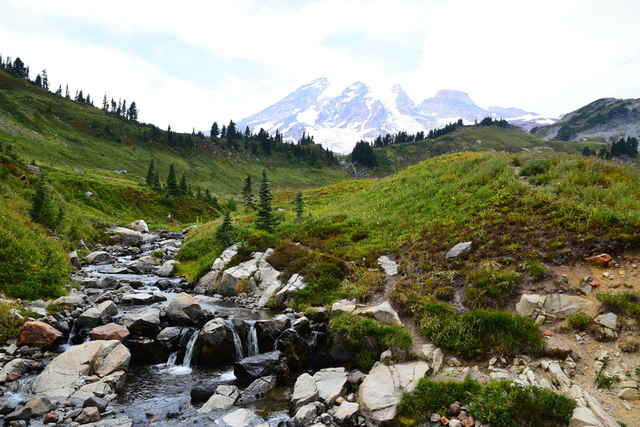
<point>331,383</point>
<point>390,267</point>
<point>385,313</point>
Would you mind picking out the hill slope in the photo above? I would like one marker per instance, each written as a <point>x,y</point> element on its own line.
<point>606,120</point>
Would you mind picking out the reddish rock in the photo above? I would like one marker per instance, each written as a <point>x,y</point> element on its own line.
<point>595,283</point>
<point>38,334</point>
<point>51,417</point>
<point>468,422</point>
<point>548,333</point>
<point>110,331</point>
<point>444,421</point>
<point>601,260</point>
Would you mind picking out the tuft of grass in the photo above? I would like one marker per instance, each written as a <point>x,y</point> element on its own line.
<point>490,287</point>
<point>9,323</point>
<point>579,320</point>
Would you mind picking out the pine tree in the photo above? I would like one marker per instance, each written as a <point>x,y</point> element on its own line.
<point>215,130</point>
<point>156,182</point>
<point>247,195</point>
<point>224,231</point>
<point>183,186</point>
<point>151,173</point>
<point>298,206</point>
<point>43,211</point>
<point>265,220</point>
<point>172,182</point>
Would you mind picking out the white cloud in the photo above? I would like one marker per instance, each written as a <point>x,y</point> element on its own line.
<point>193,62</point>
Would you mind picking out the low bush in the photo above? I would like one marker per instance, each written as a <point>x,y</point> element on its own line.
<point>9,323</point>
<point>579,320</point>
<point>627,302</point>
<point>490,288</point>
<point>479,332</point>
<point>368,338</point>
<point>500,403</point>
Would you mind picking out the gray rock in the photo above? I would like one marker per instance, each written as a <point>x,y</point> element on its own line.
<point>74,260</point>
<point>74,368</point>
<point>258,389</point>
<point>305,415</point>
<point>390,267</point>
<point>15,368</point>
<point>23,413</point>
<point>295,283</point>
<point>240,418</point>
<point>142,322</point>
<point>343,306</point>
<point>251,368</point>
<point>142,298</point>
<point>304,391</point>
<point>34,169</point>
<point>459,249</point>
<point>347,413</point>
<point>206,284</point>
<point>584,417</point>
<point>99,257</point>
<point>385,313</point>
<point>167,269</point>
<point>127,236</point>
<point>331,383</point>
<point>381,391</point>
<point>88,415</point>
<point>140,226</point>
<point>184,310</point>
<point>96,316</point>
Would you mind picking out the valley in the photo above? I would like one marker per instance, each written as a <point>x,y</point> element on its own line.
<point>342,280</point>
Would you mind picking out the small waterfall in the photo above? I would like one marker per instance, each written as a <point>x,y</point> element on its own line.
<point>191,345</point>
<point>252,340</point>
<point>185,368</point>
<point>172,359</point>
<point>237,343</point>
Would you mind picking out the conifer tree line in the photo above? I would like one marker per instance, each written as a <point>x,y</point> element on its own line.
<point>264,144</point>
<point>620,148</point>
<point>19,69</point>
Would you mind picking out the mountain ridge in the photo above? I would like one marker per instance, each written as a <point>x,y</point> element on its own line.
<point>358,112</point>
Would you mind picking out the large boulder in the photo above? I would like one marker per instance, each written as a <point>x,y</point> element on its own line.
<point>146,322</point>
<point>215,343</point>
<point>38,334</point>
<point>385,313</point>
<point>381,391</point>
<point>304,391</point>
<point>14,369</point>
<point>184,310</point>
<point>142,298</point>
<point>295,283</point>
<point>269,330</point>
<point>99,257</point>
<point>206,284</point>
<point>251,368</point>
<point>331,383</point>
<point>140,226</point>
<point>532,305</point>
<point>80,366</point>
<point>126,236</point>
<point>144,265</point>
<point>96,316</point>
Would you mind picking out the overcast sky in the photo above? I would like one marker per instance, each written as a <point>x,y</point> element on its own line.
<point>189,63</point>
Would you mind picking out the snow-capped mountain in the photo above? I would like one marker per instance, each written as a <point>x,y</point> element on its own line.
<point>339,121</point>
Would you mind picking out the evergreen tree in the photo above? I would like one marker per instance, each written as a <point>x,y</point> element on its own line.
<point>224,232</point>
<point>298,206</point>
<point>156,182</point>
<point>363,153</point>
<point>215,130</point>
<point>132,112</point>
<point>183,186</point>
<point>172,182</point>
<point>265,220</point>
<point>151,173</point>
<point>105,103</point>
<point>45,80</point>
<point>43,210</point>
<point>66,95</point>
<point>247,194</point>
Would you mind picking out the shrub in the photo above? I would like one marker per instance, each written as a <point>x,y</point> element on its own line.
<point>9,323</point>
<point>368,338</point>
<point>627,302</point>
<point>535,167</point>
<point>605,381</point>
<point>579,320</point>
<point>501,403</point>
<point>479,332</point>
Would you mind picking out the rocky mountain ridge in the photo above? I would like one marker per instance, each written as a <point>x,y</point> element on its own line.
<point>358,112</point>
<point>604,120</point>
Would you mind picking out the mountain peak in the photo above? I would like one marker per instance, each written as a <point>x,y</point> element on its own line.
<point>339,119</point>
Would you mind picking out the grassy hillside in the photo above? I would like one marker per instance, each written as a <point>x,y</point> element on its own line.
<point>520,211</point>
<point>79,148</point>
<point>396,157</point>
<point>65,134</point>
